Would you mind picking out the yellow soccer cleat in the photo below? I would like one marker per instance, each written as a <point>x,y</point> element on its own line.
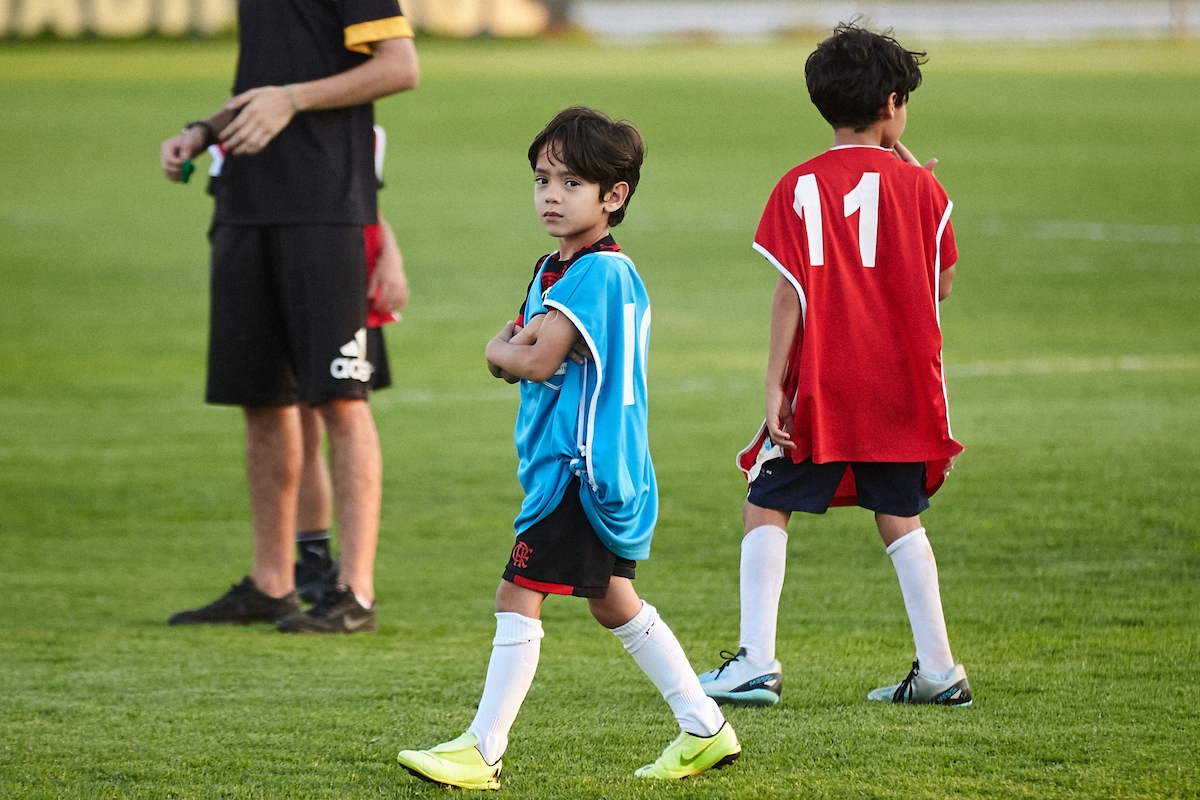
<point>690,755</point>
<point>455,763</point>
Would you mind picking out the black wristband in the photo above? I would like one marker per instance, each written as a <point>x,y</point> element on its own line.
<point>210,136</point>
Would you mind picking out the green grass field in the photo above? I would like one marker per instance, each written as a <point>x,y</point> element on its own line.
<point>1067,536</point>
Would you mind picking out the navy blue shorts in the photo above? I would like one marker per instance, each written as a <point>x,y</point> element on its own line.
<point>561,553</point>
<point>883,487</point>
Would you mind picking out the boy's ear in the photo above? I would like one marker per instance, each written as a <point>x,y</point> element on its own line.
<point>889,108</point>
<point>616,196</point>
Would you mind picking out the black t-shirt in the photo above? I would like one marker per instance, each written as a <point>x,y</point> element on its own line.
<point>320,168</point>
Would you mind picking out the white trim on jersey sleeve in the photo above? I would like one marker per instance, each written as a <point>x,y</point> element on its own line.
<point>586,437</point>
<point>590,435</point>
<point>791,279</point>
<point>937,260</point>
<point>937,306</point>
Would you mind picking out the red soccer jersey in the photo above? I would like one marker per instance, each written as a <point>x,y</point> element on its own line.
<point>862,237</point>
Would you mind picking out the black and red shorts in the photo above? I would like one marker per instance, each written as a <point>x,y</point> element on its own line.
<point>561,553</point>
<point>288,317</point>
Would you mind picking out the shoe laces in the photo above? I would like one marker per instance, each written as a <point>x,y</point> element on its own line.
<point>904,688</point>
<point>729,659</point>
<point>330,599</point>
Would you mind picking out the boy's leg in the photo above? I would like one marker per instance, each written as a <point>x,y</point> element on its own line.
<point>764,560</point>
<point>656,650</point>
<point>515,652</point>
<point>912,556</point>
<point>707,740</point>
<point>472,761</point>
<point>934,678</point>
<point>752,676</point>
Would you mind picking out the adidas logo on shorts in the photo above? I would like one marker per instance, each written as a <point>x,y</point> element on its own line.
<point>353,364</point>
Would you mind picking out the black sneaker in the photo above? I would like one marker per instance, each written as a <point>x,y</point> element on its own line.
<point>241,605</point>
<point>337,612</point>
<point>314,577</point>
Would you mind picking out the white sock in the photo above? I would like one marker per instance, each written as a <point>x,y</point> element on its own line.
<point>514,661</point>
<point>917,570</point>
<point>656,650</point>
<point>764,558</point>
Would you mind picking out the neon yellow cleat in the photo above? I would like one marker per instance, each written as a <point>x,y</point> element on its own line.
<point>455,763</point>
<point>690,755</point>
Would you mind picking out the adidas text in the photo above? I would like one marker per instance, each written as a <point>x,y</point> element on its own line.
<point>353,364</point>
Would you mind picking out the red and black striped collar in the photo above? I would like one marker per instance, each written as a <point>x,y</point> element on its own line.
<point>552,268</point>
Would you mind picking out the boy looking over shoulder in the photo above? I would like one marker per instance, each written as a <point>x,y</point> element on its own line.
<point>591,500</point>
<point>856,410</point>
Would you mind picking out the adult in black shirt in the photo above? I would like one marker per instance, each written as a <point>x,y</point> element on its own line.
<point>288,281</point>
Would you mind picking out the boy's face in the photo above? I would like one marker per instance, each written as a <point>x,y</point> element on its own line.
<point>569,207</point>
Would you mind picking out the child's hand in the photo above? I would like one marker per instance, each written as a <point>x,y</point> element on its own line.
<point>504,336</point>
<point>779,418</point>
<point>388,290</point>
<point>528,334</point>
<point>499,373</point>
<point>905,155</point>
<point>506,333</point>
<point>580,352</point>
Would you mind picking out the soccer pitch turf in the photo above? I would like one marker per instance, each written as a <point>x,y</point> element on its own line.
<point>1067,536</point>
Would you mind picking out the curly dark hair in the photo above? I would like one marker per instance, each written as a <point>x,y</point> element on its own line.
<point>851,74</point>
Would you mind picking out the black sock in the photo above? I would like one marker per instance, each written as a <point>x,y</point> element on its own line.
<point>313,547</point>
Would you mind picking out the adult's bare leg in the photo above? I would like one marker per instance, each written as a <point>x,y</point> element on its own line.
<point>273,459</point>
<point>357,470</point>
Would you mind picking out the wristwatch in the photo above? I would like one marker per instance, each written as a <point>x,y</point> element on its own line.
<point>210,136</point>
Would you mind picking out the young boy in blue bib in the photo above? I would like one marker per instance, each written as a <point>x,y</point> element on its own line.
<point>591,500</point>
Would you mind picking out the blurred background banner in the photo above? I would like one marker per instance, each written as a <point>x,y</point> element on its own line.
<point>131,18</point>
<point>632,20</point>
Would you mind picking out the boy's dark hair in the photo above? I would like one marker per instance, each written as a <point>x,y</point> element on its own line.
<point>851,74</point>
<point>595,147</point>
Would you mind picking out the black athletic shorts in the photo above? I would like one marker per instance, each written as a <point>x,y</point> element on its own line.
<point>288,316</point>
<point>381,376</point>
<point>561,553</point>
<point>884,487</point>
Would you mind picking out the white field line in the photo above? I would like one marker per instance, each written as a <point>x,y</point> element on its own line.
<point>1058,366</point>
<point>683,385</point>
<point>1085,231</point>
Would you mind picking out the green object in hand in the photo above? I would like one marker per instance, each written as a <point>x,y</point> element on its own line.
<point>185,170</point>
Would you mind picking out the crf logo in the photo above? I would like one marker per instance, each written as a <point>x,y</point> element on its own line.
<point>520,555</point>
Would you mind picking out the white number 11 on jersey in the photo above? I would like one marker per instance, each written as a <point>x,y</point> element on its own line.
<point>863,198</point>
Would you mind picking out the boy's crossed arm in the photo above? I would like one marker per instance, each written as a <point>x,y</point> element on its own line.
<point>536,351</point>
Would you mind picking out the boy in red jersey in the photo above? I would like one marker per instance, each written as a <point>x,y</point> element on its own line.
<point>856,409</point>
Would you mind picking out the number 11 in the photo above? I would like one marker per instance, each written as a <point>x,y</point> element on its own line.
<point>863,198</point>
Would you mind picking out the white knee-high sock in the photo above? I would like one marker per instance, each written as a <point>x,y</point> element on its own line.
<point>916,568</point>
<point>514,661</point>
<point>764,558</point>
<point>656,650</point>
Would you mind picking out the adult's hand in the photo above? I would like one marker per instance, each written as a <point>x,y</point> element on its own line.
<point>261,114</point>
<point>178,149</point>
